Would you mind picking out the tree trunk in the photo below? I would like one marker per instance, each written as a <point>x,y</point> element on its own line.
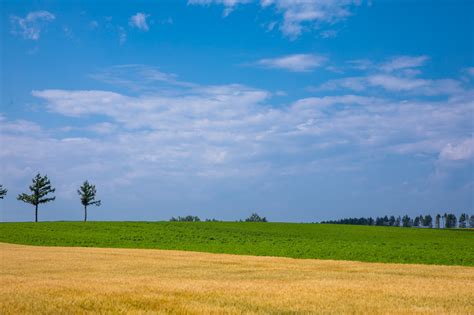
<point>85,213</point>
<point>36,213</point>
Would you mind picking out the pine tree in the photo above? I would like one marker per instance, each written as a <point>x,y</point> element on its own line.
<point>87,193</point>
<point>398,221</point>
<point>406,221</point>
<point>40,188</point>
<point>428,221</point>
<point>379,221</point>
<point>451,221</point>
<point>416,222</point>
<point>3,191</point>
<point>463,220</point>
<point>421,220</point>
<point>391,221</point>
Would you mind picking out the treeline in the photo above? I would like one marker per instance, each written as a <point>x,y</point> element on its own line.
<point>188,218</point>
<point>447,220</point>
<point>254,217</point>
<point>41,190</point>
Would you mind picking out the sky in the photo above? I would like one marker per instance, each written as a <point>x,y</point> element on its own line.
<point>301,111</point>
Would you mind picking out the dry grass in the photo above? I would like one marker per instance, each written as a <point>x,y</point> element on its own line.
<point>82,280</point>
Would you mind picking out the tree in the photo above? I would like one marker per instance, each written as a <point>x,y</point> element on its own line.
<point>398,221</point>
<point>416,222</point>
<point>3,191</point>
<point>188,218</point>
<point>451,221</point>
<point>471,221</point>
<point>445,217</point>
<point>428,221</point>
<point>379,221</point>
<point>255,218</point>
<point>463,220</point>
<point>406,221</point>
<point>421,220</point>
<point>438,217</point>
<point>40,188</point>
<point>87,193</point>
<point>392,221</point>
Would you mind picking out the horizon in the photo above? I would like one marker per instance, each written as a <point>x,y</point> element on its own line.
<point>301,112</point>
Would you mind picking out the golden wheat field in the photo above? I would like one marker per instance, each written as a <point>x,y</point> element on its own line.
<point>39,280</point>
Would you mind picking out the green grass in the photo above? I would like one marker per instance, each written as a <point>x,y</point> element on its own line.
<point>342,242</point>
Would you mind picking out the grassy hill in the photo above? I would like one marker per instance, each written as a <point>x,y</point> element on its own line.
<point>340,242</point>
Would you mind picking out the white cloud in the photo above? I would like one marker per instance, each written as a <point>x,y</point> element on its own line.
<point>361,64</point>
<point>463,150</point>
<point>334,100</point>
<point>393,83</point>
<point>352,83</point>
<point>398,74</point>
<point>403,62</point>
<point>328,34</point>
<point>296,14</point>
<point>188,134</point>
<point>103,128</point>
<point>18,126</point>
<point>295,63</point>
<point>31,25</point>
<point>137,77</point>
<point>226,132</point>
<point>229,5</point>
<point>122,35</point>
<point>415,86</point>
<point>65,102</point>
<point>229,124</point>
<point>470,71</point>
<point>197,105</point>
<point>139,21</point>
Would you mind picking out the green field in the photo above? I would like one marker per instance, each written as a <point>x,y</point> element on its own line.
<point>341,242</point>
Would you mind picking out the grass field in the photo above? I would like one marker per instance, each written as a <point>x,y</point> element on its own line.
<point>52,280</point>
<point>339,242</point>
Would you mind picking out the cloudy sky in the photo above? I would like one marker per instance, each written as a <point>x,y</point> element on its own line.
<point>299,110</point>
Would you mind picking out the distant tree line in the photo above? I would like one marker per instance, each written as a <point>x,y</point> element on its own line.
<point>254,217</point>
<point>447,220</point>
<point>188,218</point>
<point>41,190</point>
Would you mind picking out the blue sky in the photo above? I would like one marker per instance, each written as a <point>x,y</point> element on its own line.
<point>300,110</point>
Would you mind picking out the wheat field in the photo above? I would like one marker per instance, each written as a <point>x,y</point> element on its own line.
<point>48,280</point>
